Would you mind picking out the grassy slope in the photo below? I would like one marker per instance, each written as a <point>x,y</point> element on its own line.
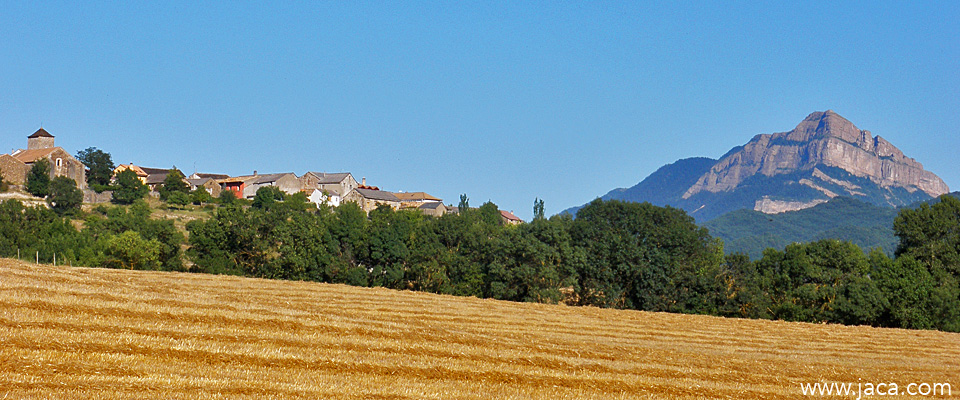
<point>97,333</point>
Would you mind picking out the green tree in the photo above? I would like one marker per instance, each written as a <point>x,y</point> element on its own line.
<point>490,213</point>
<point>744,296</point>
<point>298,202</point>
<point>823,281</point>
<point>538,209</point>
<point>38,179</point>
<point>130,251</point>
<point>39,229</point>
<point>100,165</point>
<point>234,241</point>
<point>267,197</point>
<point>464,203</point>
<point>129,188</point>
<point>227,197</point>
<point>137,218</point>
<point>64,195</point>
<point>200,195</point>
<point>931,234</point>
<point>174,182</point>
<point>645,257</point>
<point>178,199</point>
<point>349,229</point>
<point>386,246</point>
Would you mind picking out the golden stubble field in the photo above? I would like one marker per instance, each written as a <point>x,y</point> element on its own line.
<point>78,333</point>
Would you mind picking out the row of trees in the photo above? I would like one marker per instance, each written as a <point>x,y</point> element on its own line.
<point>118,237</point>
<point>614,254</point>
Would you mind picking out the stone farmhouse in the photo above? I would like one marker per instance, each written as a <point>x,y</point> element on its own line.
<point>339,183</point>
<point>137,170</point>
<point>245,187</point>
<point>155,177</point>
<point>415,199</point>
<point>208,184</point>
<point>207,181</point>
<point>40,145</point>
<point>424,202</point>
<point>433,209</point>
<point>509,219</point>
<point>369,198</point>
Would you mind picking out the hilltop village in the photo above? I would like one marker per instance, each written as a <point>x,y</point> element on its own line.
<point>320,188</point>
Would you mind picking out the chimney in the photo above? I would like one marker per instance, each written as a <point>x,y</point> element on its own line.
<point>363,181</point>
<point>254,172</point>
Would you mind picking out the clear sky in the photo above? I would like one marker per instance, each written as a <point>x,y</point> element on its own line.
<point>502,101</point>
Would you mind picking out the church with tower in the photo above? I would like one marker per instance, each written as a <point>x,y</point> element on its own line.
<point>40,145</point>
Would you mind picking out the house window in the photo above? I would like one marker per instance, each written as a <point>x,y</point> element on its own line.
<point>59,162</point>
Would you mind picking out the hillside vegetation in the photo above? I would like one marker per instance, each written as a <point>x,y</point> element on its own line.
<point>78,333</point>
<point>843,218</point>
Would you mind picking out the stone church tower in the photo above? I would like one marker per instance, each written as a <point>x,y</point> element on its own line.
<point>40,139</point>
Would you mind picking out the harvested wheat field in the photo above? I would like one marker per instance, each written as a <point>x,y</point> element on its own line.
<point>108,334</point>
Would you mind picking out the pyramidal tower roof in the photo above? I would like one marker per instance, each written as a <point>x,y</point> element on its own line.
<point>40,133</point>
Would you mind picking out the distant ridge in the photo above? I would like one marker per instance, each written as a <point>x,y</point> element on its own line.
<point>663,187</point>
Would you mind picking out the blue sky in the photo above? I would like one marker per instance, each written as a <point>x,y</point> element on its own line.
<point>502,101</point>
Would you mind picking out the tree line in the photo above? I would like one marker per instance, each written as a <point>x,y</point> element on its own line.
<point>613,254</point>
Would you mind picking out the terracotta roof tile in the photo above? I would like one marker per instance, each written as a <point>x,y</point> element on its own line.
<point>377,195</point>
<point>232,179</point>
<point>29,156</point>
<point>416,196</point>
<point>137,170</point>
<point>509,216</point>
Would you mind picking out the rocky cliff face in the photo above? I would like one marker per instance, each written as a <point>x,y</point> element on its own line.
<point>823,139</point>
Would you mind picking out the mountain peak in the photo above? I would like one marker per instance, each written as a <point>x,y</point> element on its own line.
<point>826,156</point>
<point>823,141</point>
<point>821,124</point>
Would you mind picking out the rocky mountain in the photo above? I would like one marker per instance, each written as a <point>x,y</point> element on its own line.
<point>824,157</point>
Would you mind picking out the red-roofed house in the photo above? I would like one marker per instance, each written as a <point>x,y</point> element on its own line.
<point>510,219</point>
